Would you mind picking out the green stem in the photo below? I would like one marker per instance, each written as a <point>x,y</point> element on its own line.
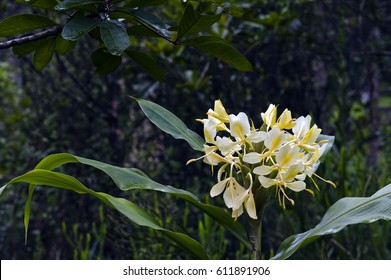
<point>254,233</point>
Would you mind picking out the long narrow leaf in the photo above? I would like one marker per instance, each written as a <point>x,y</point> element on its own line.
<point>127,208</point>
<point>132,179</point>
<point>170,123</point>
<point>346,211</point>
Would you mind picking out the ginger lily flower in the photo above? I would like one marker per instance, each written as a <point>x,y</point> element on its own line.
<point>280,154</point>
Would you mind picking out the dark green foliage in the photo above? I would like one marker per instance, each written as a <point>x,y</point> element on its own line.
<point>324,58</point>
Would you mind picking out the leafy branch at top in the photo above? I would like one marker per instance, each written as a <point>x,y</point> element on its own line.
<point>112,24</point>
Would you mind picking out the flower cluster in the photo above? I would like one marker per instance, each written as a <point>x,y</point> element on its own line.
<point>281,154</point>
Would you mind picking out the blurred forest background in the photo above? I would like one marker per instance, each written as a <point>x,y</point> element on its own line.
<point>330,59</point>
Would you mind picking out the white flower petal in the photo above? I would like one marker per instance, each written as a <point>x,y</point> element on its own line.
<point>256,136</point>
<point>275,139</point>
<point>263,170</point>
<point>218,188</point>
<point>302,126</point>
<point>266,182</point>
<point>239,125</point>
<point>287,155</point>
<point>250,206</point>
<point>296,186</point>
<point>252,158</point>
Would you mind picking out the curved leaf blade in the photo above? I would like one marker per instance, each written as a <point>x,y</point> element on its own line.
<point>222,50</point>
<point>127,208</point>
<point>78,27</point>
<point>114,36</point>
<point>44,54</point>
<point>22,23</point>
<point>193,22</point>
<point>149,64</point>
<point>133,179</point>
<point>68,4</point>
<point>346,211</point>
<point>170,123</point>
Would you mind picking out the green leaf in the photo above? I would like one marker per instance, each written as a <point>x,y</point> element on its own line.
<point>78,27</point>
<point>221,49</point>
<point>149,20</point>
<point>170,123</point>
<point>105,62</point>
<point>148,63</point>
<point>132,179</point>
<point>114,36</point>
<point>29,47</point>
<point>329,142</point>
<point>18,24</point>
<point>132,211</point>
<point>68,4</point>
<point>44,54</point>
<point>193,22</point>
<point>64,46</point>
<point>44,4</point>
<point>346,211</point>
<point>144,3</point>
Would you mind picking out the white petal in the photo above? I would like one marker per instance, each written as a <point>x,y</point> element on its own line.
<point>256,136</point>
<point>275,139</point>
<point>296,186</point>
<point>218,188</point>
<point>263,170</point>
<point>236,213</point>
<point>252,158</point>
<point>239,125</point>
<point>266,182</point>
<point>302,126</point>
<point>292,172</point>
<point>287,155</point>
<point>229,197</point>
<point>250,206</point>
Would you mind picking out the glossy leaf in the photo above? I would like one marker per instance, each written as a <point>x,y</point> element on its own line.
<point>149,64</point>
<point>68,4</point>
<point>64,46</point>
<point>105,62</point>
<point>78,27</point>
<point>170,124</point>
<point>29,47</point>
<point>18,24</point>
<point>44,4</point>
<point>132,179</point>
<point>145,3</point>
<point>114,36</point>
<point>44,54</point>
<point>346,211</point>
<point>221,49</point>
<point>329,142</point>
<point>127,208</point>
<point>149,20</point>
<point>193,22</point>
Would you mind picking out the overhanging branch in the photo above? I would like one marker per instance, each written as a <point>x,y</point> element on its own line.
<point>31,38</point>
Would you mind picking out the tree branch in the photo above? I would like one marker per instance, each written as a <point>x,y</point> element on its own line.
<point>31,38</point>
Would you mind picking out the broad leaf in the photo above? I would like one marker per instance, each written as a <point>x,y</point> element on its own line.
<point>144,3</point>
<point>78,27</point>
<point>44,4</point>
<point>346,211</point>
<point>170,124</point>
<point>64,46</point>
<point>133,179</point>
<point>222,50</point>
<point>114,36</point>
<point>44,54</point>
<point>68,4</point>
<point>149,20</point>
<point>127,208</point>
<point>29,47</point>
<point>148,63</point>
<point>193,22</point>
<point>329,142</point>
<point>18,24</point>
<point>105,62</point>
